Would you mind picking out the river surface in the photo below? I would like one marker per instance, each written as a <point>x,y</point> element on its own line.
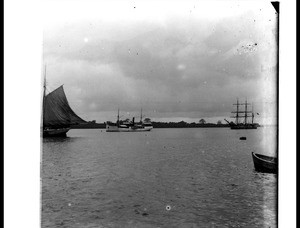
<point>191,177</point>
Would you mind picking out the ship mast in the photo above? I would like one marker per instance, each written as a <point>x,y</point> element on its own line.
<point>246,114</point>
<point>141,115</point>
<point>237,111</point>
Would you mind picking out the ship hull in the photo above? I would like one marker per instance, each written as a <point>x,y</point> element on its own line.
<point>241,127</point>
<point>112,128</point>
<point>149,128</point>
<point>60,132</point>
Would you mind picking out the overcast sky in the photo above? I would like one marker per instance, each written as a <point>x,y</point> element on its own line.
<point>178,60</point>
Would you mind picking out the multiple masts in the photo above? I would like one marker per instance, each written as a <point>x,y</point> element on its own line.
<point>242,114</point>
<point>118,117</point>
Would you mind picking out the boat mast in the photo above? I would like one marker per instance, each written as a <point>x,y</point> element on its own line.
<point>118,118</point>
<point>44,95</point>
<point>252,113</point>
<point>45,81</point>
<point>141,115</point>
<point>246,114</point>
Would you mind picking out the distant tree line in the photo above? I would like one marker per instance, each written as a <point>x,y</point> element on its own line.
<point>182,124</point>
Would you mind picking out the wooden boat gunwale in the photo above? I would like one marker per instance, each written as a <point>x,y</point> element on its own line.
<point>261,156</point>
<point>263,163</point>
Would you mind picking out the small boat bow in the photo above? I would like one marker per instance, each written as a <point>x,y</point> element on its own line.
<point>265,164</point>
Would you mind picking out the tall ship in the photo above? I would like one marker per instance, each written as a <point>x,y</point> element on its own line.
<point>57,113</point>
<point>242,117</point>
<point>129,126</point>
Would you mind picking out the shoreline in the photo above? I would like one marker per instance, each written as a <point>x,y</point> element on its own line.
<point>156,125</point>
<point>161,125</point>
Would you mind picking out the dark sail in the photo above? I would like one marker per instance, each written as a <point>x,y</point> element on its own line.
<point>57,112</point>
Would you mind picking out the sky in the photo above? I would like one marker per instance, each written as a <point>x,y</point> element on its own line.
<point>179,60</point>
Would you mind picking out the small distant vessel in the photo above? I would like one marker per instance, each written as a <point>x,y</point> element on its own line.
<point>129,126</point>
<point>57,114</point>
<point>243,138</point>
<point>242,114</point>
<point>265,164</point>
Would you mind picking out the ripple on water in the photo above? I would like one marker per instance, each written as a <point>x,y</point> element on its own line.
<point>206,176</point>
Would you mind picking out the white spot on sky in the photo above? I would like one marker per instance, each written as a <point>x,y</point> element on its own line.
<point>181,67</point>
<point>86,40</point>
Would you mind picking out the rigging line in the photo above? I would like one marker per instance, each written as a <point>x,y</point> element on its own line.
<point>47,90</point>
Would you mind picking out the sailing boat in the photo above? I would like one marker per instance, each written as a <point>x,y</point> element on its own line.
<point>57,113</point>
<point>242,114</point>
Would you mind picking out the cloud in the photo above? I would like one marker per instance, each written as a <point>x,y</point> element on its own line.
<point>183,65</point>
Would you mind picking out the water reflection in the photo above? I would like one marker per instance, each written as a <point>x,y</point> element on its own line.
<point>267,185</point>
<point>60,139</point>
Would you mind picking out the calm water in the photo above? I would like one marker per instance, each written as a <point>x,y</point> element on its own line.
<point>164,178</point>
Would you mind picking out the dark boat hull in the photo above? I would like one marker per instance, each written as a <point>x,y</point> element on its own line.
<point>264,163</point>
<point>241,127</point>
<point>61,132</point>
